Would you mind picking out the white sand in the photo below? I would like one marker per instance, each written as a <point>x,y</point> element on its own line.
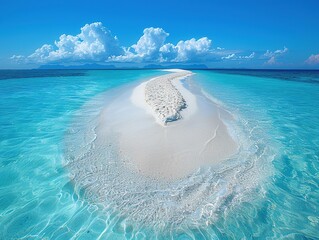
<point>164,97</point>
<point>171,149</point>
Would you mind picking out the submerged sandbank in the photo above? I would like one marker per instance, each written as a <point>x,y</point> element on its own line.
<point>181,174</point>
<point>164,130</point>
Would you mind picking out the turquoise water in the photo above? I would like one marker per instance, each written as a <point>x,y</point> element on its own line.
<point>273,193</point>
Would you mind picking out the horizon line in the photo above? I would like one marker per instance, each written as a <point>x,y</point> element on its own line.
<point>161,68</point>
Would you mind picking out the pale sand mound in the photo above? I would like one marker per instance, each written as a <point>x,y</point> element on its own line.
<point>165,100</point>
<point>198,138</point>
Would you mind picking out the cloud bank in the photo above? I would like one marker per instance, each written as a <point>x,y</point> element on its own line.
<point>95,43</point>
<point>273,55</point>
<point>313,59</point>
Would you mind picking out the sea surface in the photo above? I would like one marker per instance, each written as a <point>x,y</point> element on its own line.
<point>269,190</point>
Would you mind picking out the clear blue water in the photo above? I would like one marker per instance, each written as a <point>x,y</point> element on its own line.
<point>273,194</point>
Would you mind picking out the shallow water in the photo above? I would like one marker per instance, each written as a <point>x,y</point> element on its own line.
<point>269,190</point>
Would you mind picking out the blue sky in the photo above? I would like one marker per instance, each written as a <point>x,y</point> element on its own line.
<point>240,34</point>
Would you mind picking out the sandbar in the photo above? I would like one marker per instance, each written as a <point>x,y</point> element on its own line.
<point>165,129</point>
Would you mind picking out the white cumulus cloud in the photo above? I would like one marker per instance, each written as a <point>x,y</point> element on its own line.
<point>251,56</point>
<point>185,51</point>
<point>234,56</point>
<point>193,49</point>
<point>273,55</point>
<point>150,43</point>
<point>230,56</point>
<point>95,43</point>
<point>313,59</point>
<point>271,61</point>
<point>152,47</point>
<point>42,53</point>
<point>168,52</point>
<point>146,49</point>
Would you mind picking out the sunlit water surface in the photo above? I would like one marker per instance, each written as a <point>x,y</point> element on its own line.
<point>268,190</point>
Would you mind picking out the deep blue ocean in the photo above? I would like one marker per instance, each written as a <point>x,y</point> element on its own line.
<point>270,190</point>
